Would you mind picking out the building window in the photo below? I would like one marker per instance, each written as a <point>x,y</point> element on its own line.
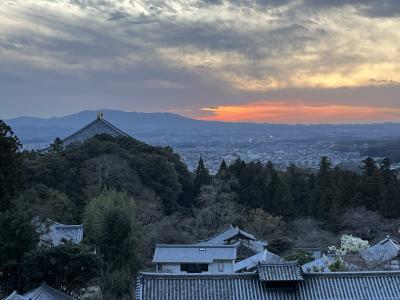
<point>194,268</point>
<point>220,267</point>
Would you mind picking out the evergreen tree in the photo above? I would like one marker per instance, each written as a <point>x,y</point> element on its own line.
<point>369,167</point>
<point>223,169</point>
<point>112,228</point>
<point>386,171</point>
<point>271,197</point>
<point>324,193</point>
<point>10,166</point>
<point>57,147</point>
<point>252,185</point>
<point>283,202</point>
<point>17,236</point>
<point>390,198</point>
<point>325,166</point>
<point>70,268</point>
<point>202,176</point>
<point>369,188</point>
<point>296,185</point>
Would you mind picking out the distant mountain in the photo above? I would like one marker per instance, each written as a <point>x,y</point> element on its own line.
<point>38,131</point>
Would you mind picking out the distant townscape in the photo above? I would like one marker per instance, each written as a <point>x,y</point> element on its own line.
<point>345,145</point>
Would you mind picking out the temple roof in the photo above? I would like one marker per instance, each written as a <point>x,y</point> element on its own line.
<point>231,232</point>
<point>98,126</point>
<point>285,271</point>
<point>54,234</point>
<point>43,292</point>
<point>385,250</point>
<point>252,261</point>
<point>247,286</point>
<point>318,265</point>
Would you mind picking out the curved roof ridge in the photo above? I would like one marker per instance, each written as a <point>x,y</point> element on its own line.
<point>102,120</point>
<point>218,234</point>
<point>353,274</point>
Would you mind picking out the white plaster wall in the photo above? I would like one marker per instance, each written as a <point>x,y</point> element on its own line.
<point>212,268</point>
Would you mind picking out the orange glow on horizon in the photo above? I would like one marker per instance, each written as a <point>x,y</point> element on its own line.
<point>295,113</point>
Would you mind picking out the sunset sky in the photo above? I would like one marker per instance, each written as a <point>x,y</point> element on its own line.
<point>278,61</point>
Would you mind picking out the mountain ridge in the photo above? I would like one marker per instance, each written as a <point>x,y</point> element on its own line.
<point>33,130</point>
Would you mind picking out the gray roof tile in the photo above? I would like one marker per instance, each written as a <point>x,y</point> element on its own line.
<point>245,286</point>
<point>43,292</point>
<point>252,261</point>
<point>286,271</point>
<point>98,126</point>
<point>54,234</point>
<point>193,253</point>
<point>383,251</point>
<point>231,231</point>
<point>318,265</point>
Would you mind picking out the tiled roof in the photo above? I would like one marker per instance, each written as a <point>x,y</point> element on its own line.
<point>193,253</point>
<point>231,231</point>
<point>54,234</point>
<point>318,265</point>
<point>251,262</point>
<point>240,233</point>
<point>98,126</point>
<point>287,271</point>
<point>245,286</point>
<point>382,252</point>
<point>43,292</point>
<point>15,296</point>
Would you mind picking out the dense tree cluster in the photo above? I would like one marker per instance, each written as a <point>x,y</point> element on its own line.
<point>324,194</point>
<point>98,183</point>
<point>130,196</point>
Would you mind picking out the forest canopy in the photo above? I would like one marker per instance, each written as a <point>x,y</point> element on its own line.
<point>130,196</point>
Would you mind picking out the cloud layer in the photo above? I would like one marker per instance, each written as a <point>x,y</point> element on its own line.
<point>60,56</point>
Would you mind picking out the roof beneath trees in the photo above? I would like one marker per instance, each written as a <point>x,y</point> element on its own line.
<point>43,292</point>
<point>54,234</point>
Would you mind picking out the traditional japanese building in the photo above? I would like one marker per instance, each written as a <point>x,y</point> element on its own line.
<point>52,234</point>
<point>247,244</point>
<point>384,255</point>
<point>284,281</point>
<point>190,259</point>
<point>232,250</point>
<point>98,126</point>
<point>250,264</point>
<point>43,292</point>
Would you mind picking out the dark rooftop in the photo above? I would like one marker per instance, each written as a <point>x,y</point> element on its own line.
<point>286,271</point>
<point>247,286</point>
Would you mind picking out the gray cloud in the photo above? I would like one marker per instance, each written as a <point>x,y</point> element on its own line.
<point>160,55</point>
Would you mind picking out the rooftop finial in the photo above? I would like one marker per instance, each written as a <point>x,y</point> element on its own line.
<point>99,115</point>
